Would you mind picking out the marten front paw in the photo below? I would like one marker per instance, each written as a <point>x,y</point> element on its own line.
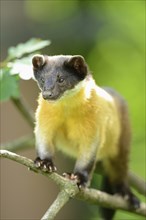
<point>80,180</point>
<point>45,164</point>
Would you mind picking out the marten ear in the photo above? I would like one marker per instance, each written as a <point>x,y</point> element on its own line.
<point>78,64</point>
<point>38,61</point>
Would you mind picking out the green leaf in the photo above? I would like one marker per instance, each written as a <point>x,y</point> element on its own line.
<point>23,67</point>
<point>8,85</point>
<point>28,47</point>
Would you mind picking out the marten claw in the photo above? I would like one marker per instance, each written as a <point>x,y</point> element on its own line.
<point>70,176</point>
<point>74,177</point>
<point>46,165</point>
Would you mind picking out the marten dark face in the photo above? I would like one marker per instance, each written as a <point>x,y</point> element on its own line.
<point>57,74</point>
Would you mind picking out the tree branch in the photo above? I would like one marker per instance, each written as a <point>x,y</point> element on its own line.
<point>70,188</point>
<point>97,197</point>
<point>28,142</point>
<point>24,110</point>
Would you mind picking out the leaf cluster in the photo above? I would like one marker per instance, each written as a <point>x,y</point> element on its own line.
<point>18,65</point>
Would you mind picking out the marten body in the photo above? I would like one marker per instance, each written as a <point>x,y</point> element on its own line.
<point>73,124</point>
<point>82,120</point>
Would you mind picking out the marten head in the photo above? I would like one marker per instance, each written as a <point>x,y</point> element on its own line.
<point>57,74</point>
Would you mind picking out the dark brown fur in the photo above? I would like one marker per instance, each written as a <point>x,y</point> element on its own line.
<point>119,165</point>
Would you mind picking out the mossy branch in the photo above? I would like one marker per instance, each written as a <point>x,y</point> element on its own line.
<point>69,190</point>
<point>28,142</point>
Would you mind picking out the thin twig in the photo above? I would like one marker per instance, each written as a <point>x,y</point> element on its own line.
<point>24,110</point>
<point>89,195</point>
<point>26,142</point>
<point>137,183</point>
<point>62,198</point>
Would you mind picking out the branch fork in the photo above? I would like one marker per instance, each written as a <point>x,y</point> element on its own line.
<point>69,189</point>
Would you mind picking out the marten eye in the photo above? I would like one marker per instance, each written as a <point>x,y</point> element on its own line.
<point>60,79</point>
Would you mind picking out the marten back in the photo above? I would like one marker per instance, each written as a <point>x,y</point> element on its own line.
<point>125,135</point>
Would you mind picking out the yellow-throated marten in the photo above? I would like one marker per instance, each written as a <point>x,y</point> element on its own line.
<point>84,121</point>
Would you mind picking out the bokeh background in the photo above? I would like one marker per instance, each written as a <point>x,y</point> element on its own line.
<point>110,34</point>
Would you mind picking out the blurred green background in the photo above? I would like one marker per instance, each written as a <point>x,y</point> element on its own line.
<point>110,34</point>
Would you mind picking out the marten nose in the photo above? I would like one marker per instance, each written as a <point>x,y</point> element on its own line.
<point>47,94</point>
